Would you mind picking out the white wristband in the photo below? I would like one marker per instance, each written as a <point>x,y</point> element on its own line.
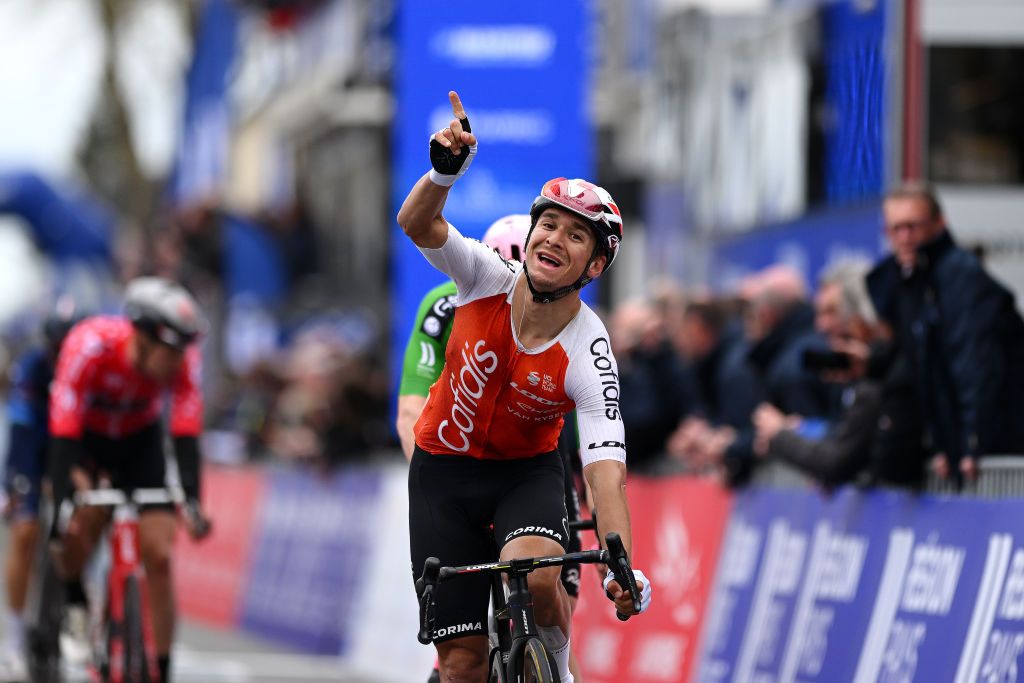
<point>442,180</point>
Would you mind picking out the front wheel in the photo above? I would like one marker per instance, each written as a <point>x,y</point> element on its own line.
<point>534,665</point>
<point>134,664</point>
<point>43,612</point>
<point>495,667</point>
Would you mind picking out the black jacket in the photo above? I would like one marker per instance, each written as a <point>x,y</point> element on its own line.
<point>777,361</point>
<point>728,387</point>
<point>656,392</point>
<point>877,439</point>
<point>965,343</point>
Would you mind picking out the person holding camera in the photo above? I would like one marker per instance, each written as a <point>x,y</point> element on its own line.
<point>877,438</point>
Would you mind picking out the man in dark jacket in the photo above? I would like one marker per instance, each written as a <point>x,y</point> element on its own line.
<point>960,330</point>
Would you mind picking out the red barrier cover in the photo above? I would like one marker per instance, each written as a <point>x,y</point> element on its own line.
<point>678,526</point>
<point>210,576</point>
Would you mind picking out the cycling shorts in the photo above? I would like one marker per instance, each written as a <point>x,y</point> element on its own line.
<point>27,488</point>
<point>453,500</point>
<point>136,461</point>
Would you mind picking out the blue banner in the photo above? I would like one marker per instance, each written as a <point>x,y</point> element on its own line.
<point>867,587</point>
<point>809,244</point>
<point>308,569</point>
<point>522,71</point>
<point>854,56</point>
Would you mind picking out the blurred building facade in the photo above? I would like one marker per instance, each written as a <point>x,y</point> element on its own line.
<point>769,130</point>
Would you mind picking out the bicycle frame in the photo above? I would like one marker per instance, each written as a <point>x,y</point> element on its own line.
<point>126,562</point>
<point>126,565</point>
<point>513,616</point>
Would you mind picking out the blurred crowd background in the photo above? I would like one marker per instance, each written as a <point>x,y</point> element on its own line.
<point>254,150</point>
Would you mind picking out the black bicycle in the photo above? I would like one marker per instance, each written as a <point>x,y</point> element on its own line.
<point>517,654</point>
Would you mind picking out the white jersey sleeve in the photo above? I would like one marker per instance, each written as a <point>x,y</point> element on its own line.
<point>592,381</point>
<point>477,270</point>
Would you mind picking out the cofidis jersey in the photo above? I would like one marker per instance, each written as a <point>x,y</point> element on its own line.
<point>499,400</point>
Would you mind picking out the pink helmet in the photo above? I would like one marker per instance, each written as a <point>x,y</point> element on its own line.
<point>590,201</point>
<point>507,236</point>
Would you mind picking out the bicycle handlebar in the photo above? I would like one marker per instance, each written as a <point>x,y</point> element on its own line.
<point>614,556</point>
<point>110,497</point>
<point>582,525</point>
<point>618,562</point>
<point>116,497</point>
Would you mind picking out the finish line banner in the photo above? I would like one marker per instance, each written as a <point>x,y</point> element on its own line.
<point>859,587</point>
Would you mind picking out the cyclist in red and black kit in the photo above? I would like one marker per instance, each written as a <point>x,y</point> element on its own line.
<point>524,351</point>
<point>106,404</point>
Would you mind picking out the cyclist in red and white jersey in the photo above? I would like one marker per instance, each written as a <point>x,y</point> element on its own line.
<point>106,403</point>
<point>523,351</point>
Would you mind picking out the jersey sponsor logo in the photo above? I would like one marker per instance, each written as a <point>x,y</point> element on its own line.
<point>547,384</point>
<point>539,399</point>
<point>601,350</point>
<point>534,530</point>
<point>436,322</point>
<point>458,628</point>
<point>478,364</point>
<point>606,444</point>
<point>428,357</point>
<point>536,408</point>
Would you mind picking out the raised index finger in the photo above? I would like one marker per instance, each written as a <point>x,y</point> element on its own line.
<point>457,109</point>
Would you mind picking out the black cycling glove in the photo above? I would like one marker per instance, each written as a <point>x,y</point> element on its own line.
<point>448,167</point>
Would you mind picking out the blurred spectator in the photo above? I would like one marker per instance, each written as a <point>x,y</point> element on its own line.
<point>332,408</point>
<point>960,330</point>
<point>728,389</point>
<point>655,389</point>
<point>713,344</point>
<point>878,434</point>
<point>780,326</point>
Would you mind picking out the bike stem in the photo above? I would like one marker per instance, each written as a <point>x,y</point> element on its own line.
<point>520,601</point>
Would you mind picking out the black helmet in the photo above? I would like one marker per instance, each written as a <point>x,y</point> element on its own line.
<point>164,310</point>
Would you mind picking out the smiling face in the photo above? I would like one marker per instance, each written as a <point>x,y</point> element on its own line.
<point>560,248</point>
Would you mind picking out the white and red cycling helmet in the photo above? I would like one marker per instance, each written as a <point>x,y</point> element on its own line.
<point>589,201</point>
<point>507,236</point>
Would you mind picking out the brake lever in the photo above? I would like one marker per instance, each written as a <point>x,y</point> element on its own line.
<point>200,523</point>
<point>425,591</point>
<point>619,564</point>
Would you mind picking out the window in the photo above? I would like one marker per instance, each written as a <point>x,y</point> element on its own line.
<point>976,106</point>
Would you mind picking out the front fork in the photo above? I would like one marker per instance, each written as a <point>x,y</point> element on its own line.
<point>126,562</point>
<point>520,614</point>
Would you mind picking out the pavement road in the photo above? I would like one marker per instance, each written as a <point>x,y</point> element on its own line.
<point>210,655</point>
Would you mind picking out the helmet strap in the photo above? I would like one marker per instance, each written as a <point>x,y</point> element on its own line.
<point>554,295</point>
